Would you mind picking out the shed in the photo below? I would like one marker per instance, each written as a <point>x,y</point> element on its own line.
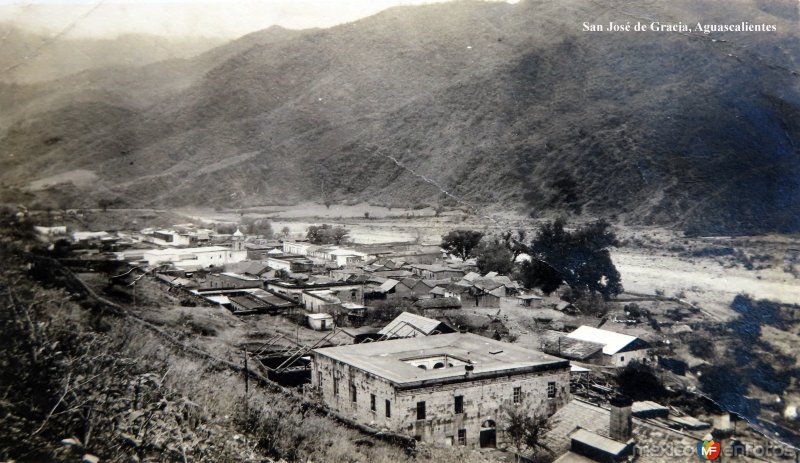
<point>408,325</point>
<point>320,321</point>
<point>528,300</point>
<point>649,409</point>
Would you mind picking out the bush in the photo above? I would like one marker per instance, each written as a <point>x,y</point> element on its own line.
<point>702,348</point>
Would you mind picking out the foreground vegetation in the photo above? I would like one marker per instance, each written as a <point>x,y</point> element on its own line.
<point>82,380</point>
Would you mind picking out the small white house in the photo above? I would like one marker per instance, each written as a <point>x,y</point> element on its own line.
<point>618,349</point>
<point>320,321</point>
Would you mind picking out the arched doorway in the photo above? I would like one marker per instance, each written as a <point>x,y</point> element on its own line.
<point>488,435</point>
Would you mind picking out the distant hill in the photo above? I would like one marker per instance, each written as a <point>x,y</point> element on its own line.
<point>505,106</point>
<point>26,57</point>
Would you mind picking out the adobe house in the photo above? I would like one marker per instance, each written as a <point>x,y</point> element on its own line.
<point>444,390</point>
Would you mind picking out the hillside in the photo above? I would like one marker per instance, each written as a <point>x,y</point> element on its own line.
<point>505,106</point>
<point>30,57</point>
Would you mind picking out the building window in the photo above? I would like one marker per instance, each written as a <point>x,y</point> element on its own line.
<point>353,393</point>
<point>372,405</point>
<point>622,358</point>
<point>335,385</point>
<point>421,410</point>
<point>551,390</point>
<point>388,408</point>
<point>459,404</point>
<point>517,395</point>
<point>462,437</point>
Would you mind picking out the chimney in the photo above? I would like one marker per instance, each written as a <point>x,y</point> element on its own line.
<point>468,368</point>
<point>621,423</point>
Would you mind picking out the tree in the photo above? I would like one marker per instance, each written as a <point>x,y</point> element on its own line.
<point>327,234</point>
<point>537,274</point>
<point>338,235</point>
<point>581,257</point>
<point>461,243</point>
<point>285,232</point>
<point>226,228</point>
<point>524,430</point>
<point>640,382</point>
<point>259,227</point>
<point>105,203</point>
<point>494,256</point>
<point>515,243</point>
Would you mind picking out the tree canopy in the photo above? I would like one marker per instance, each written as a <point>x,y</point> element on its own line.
<point>582,257</point>
<point>261,227</point>
<point>537,274</point>
<point>494,256</point>
<point>523,429</point>
<point>461,243</point>
<point>327,234</point>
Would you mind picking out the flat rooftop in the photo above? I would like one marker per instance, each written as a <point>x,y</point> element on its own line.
<point>174,251</point>
<point>599,442</point>
<point>239,276</point>
<point>490,358</point>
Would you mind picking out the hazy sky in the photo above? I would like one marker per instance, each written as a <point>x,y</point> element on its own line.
<point>211,18</point>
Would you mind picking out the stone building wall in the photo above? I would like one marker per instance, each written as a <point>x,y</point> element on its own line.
<point>482,400</point>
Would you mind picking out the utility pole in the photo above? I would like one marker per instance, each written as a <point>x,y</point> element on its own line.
<point>246,376</point>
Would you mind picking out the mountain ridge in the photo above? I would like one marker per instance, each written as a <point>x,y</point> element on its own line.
<point>495,103</point>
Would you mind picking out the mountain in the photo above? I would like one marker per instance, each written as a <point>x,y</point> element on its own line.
<point>504,106</point>
<point>27,57</point>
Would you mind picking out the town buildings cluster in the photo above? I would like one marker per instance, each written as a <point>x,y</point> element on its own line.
<point>416,374</point>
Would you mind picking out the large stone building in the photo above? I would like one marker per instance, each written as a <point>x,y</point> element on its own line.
<point>446,389</point>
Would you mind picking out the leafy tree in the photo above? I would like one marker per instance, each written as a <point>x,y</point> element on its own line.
<point>524,430</point>
<point>226,228</point>
<point>259,227</point>
<point>702,348</point>
<point>327,234</point>
<point>581,257</point>
<point>461,243</point>
<point>537,274</point>
<point>494,256</point>
<point>640,382</point>
<point>285,232</point>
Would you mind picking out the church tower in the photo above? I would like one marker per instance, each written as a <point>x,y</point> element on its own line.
<point>238,241</point>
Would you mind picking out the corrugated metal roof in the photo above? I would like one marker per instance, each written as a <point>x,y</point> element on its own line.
<point>399,327</point>
<point>612,342</point>
<point>557,343</point>
<point>388,285</point>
